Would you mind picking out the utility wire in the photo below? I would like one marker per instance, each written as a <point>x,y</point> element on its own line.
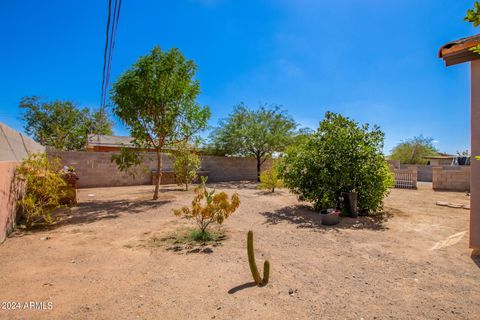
<point>110,35</point>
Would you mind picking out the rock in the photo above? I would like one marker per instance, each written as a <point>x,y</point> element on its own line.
<point>218,308</point>
<point>45,238</point>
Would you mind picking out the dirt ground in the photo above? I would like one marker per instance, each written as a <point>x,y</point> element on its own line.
<point>101,264</point>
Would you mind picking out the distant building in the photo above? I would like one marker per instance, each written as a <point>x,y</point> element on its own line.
<point>440,160</point>
<point>104,143</point>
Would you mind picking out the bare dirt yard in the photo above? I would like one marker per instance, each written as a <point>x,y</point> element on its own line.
<point>108,260</point>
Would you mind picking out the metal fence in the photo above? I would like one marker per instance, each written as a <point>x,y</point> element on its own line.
<point>405,179</point>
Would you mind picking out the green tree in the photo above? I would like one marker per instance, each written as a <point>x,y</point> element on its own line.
<point>342,156</point>
<point>61,124</point>
<point>156,99</point>
<point>473,15</point>
<point>254,133</point>
<point>414,151</point>
<point>186,163</point>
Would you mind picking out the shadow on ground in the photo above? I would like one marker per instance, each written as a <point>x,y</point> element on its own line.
<point>92,211</point>
<point>241,287</point>
<point>304,217</point>
<point>250,185</point>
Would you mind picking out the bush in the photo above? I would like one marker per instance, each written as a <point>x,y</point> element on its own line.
<point>44,188</point>
<point>185,164</point>
<point>269,179</point>
<point>341,156</point>
<point>217,208</point>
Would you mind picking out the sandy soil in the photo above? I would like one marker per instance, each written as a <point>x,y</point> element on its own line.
<point>414,264</point>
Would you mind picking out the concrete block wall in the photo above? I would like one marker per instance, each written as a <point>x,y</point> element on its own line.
<point>424,172</point>
<point>95,169</point>
<point>451,178</point>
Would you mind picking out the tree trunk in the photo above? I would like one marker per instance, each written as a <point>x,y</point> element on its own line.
<point>259,167</point>
<point>159,175</point>
<point>186,186</point>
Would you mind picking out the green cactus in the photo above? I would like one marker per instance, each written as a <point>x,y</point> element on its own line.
<point>253,264</point>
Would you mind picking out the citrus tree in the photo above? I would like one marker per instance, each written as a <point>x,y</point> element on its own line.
<point>341,156</point>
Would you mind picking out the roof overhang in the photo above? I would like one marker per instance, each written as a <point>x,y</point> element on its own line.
<point>458,51</point>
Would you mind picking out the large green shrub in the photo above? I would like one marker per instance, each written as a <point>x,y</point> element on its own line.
<point>342,156</point>
<point>44,188</point>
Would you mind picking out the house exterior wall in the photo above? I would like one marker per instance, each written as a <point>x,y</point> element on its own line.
<point>440,162</point>
<point>10,192</point>
<point>13,148</point>
<point>475,150</point>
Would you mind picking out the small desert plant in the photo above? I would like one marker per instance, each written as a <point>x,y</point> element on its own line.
<point>269,179</point>
<point>217,207</point>
<point>44,187</point>
<point>185,164</point>
<point>253,265</point>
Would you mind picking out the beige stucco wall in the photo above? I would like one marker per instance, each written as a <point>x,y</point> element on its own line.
<point>95,169</point>
<point>475,150</point>
<point>13,148</point>
<point>10,191</point>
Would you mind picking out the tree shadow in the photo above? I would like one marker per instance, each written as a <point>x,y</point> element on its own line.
<point>248,185</point>
<point>93,211</point>
<point>268,193</point>
<point>305,217</point>
<point>241,287</point>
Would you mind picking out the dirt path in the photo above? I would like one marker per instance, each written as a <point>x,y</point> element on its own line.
<point>101,265</point>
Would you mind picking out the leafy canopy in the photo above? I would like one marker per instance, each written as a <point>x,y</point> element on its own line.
<point>473,15</point>
<point>414,151</point>
<point>342,156</point>
<point>156,99</point>
<point>254,133</point>
<point>61,124</point>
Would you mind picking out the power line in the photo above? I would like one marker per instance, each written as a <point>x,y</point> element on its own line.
<point>110,36</point>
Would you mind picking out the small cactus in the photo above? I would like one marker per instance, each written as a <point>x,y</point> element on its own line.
<point>253,264</point>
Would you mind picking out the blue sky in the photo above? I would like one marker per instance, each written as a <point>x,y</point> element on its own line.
<point>372,60</point>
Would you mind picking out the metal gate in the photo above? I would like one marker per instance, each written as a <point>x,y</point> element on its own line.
<point>405,179</point>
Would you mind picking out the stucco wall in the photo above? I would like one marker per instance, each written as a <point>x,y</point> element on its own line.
<point>13,148</point>
<point>95,169</point>
<point>452,178</point>
<point>10,192</point>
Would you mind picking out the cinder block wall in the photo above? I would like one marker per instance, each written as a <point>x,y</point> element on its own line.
<point>95,169</point>
<point>424,172</point>
<point>452,178</point>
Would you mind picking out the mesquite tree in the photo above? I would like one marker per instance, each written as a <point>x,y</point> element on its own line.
<point>254,133</point>
<point>156,99</point>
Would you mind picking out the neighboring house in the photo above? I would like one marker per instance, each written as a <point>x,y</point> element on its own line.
<point>104,143</point>
<point>440,160</point>
<point>453,53</point>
